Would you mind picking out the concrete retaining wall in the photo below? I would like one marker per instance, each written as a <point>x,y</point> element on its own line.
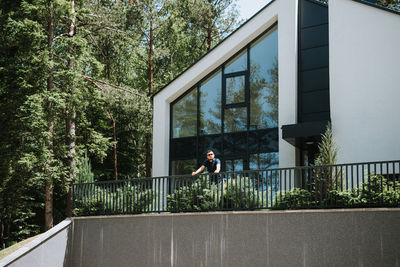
<point>47,250</point>
<point>359,237</point>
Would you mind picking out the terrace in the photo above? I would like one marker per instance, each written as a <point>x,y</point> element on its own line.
<point>353,185</point>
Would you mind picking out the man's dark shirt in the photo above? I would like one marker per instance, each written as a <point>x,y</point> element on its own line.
<point>211,166</point>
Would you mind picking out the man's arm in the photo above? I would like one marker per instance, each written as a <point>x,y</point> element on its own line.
<point>218,168</point>
<point>199,170</point>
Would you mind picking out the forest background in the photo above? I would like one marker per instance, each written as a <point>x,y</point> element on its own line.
<point>76,80</point>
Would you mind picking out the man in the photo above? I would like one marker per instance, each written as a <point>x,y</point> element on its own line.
<point>212,164</point>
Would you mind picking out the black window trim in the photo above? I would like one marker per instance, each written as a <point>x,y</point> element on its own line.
<point>197,86</point>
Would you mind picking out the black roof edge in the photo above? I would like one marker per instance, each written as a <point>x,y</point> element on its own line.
<point>318,3</point>
<point>366,2</point>
<point>209,51</point>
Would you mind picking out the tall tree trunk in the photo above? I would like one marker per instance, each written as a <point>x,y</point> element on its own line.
<point>148,156</point>
<point>151,59</point>
<point>2,243</point>
<point>115,150</point>
<point>209,31</point>
<point>113,122</point>
<point>48,217</point>
<point>209,37</point>
<point>70,119</point>
<point>148,147</point>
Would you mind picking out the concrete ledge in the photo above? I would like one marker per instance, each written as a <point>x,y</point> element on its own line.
<point>336,237</point>
<point>212,213</point>
<point>12,259</point>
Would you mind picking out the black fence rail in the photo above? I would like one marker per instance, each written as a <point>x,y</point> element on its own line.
<point>368,184</point>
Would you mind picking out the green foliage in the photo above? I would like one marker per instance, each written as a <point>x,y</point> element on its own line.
<point>85,174</point>
<point>89,79</point>
<point>242,194</point>
<point>376,191</point>
<point>391,4</point>
<point>93,199</point>
<point>327,154</point>
<point>295,199</point>
<point>325,177</point>
<point>201,195</point>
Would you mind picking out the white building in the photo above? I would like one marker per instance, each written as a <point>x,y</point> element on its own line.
<point>263,96</point>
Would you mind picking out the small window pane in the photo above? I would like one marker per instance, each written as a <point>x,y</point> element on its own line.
<point>235,89</point>
<point>235,119</point>
<point>264,82</point>
<point>264,161</point>
<point>184,116</point>
<point>238,63</point>
<point>184,166</point>
<point>210,105</point>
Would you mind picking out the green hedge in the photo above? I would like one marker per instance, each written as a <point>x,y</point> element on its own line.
<point>127,199</point>
<point>377,192</point>
<point>202,195</point>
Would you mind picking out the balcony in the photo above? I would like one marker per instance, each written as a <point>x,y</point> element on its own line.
<point>353,185</point>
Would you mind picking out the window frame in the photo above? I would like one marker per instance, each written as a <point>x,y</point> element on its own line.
<point>224,106</point>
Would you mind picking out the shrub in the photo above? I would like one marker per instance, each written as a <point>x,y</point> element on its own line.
<point>199,196</point>
<point>295,199</point>
<point>127,199</point>
<point>235,193</point>
<point>376,191</point>
<point>243,193</point>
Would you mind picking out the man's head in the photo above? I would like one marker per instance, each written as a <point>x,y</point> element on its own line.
<point>210,155</point>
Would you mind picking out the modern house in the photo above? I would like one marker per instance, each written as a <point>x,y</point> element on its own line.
<point>265,94</point>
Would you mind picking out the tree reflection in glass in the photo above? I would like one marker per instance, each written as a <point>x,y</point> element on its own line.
<point>235,119</point>
<point>264,82</point>
<point>235,89</point>
<point>184,116</point>
<point>183,166</point>
<point>233,165</point>
<point>264,161</point>
<point>210,105</point>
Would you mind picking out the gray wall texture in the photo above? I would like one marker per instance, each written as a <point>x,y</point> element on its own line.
<point>358,237</point>
<point>47,250</point>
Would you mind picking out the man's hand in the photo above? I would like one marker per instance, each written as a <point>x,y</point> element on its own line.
<point>194,173</point>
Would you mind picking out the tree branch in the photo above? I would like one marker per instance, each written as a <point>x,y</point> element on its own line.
<point>93,81</point>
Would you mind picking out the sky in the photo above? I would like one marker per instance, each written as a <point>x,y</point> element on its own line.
<point>248,8</point>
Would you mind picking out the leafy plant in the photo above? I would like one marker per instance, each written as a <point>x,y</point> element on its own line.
<point>234,193</point>
<point>295,199</point>
<point>91,199</point>
<point>85,174</point>
<point>325,178</point>
<point>376,191</point>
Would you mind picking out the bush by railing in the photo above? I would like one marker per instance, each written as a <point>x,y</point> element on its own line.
<point>373,184</point>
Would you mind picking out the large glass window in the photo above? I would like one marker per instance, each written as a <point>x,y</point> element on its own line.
<point>236,110</point>
<point>184,116</point>
<point>210,105</point>
<point>264,81</point>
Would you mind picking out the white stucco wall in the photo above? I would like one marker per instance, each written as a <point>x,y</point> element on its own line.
<point>364,67</point>
<point>283,11</point>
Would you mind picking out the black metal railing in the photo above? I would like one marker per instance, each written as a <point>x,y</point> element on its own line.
<point>368,184</point>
